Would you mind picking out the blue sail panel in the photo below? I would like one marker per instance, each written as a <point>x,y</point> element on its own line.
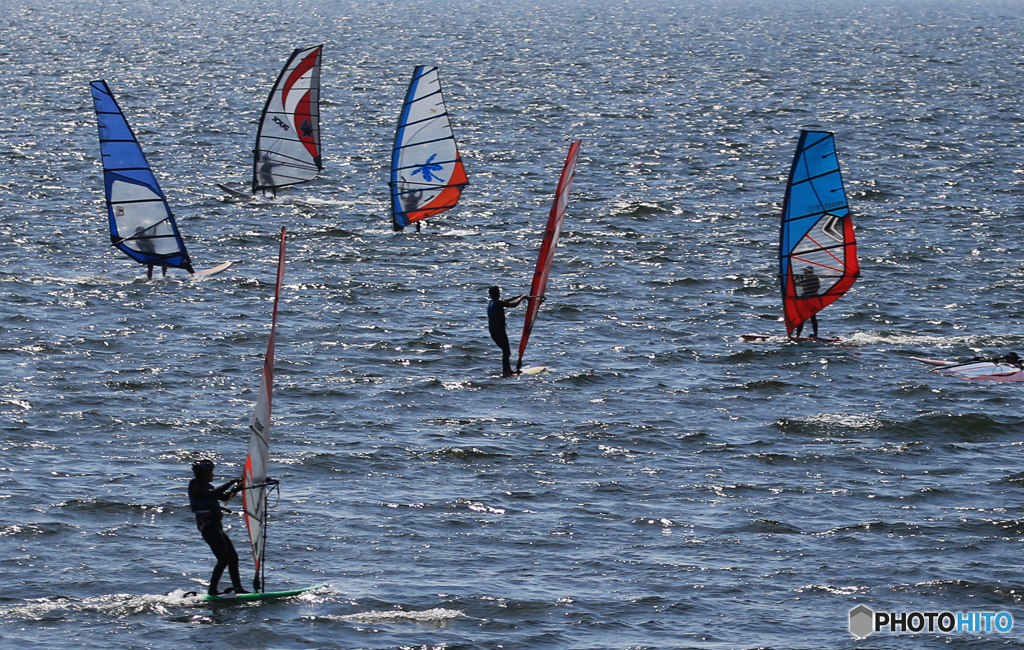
<point>141,223</point>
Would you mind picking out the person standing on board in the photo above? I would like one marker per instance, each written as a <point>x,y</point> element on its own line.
<point>809,286</point>
<point>496,325</point>
<point>205,501</point>
<point>410,201</point>
<point>145,245</point>
<point>266,173</point>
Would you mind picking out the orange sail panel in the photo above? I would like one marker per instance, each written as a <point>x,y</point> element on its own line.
<point>548,245</point>
<point>255,484</point>
<point>427,175</point>
<point>817,251</point>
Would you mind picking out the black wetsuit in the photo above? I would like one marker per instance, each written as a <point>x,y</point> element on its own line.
<point>496,325</point>
<point>205,501</point>
<point>809,285</point>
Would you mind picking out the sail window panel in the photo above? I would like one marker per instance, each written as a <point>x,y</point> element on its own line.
<point>123,191</point>
<point>279,167</point>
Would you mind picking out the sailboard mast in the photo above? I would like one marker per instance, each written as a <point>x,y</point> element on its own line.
<point>288,140</point>
<point>817,249</point>
<point>548,245</point>
<point>427,174</point>
<point>256,487</point>
<point>141,223</point>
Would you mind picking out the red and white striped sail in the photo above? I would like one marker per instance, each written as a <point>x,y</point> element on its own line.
<point>254,477</point>
<point>547,247</point>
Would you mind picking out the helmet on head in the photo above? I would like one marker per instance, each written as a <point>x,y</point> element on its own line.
<point>808,269</point>
<point>202,466</point>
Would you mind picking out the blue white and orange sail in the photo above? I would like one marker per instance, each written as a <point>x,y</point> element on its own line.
<point>427,174</point>
<point>141,223</point>
<point>288,148</point>
<point>548,245</point>
<point>256,486</point>
<point>817,248</point>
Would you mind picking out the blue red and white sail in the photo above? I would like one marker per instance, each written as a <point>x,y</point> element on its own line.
<point>288,140</point>
<point>817,249</point>
<point>141,222</point>
<point>548,245</point>
<point>427,174</point>
<point>255,483</point>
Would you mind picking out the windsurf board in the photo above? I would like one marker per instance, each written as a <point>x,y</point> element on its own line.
<point>266,595</point>
<point>213,270</point>
<point>799,339</point>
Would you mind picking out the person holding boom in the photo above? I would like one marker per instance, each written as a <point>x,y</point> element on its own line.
<point>496,325</point>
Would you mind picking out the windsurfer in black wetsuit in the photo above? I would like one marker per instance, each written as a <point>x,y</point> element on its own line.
<point>410,201</point>
<point>496,325</point>
<point>205,501</point>
<point>266,172</point>
<point>145,245</point>
<point>809,286</point>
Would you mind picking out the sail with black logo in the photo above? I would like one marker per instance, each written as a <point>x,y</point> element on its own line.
<point>817,249</point>
<point>288,141</point>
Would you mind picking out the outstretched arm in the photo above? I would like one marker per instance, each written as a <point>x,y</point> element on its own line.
<point>225,492</point>
<point>514,302</point>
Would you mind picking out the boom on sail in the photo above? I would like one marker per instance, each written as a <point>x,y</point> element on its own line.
<point>288,140</point>
<point>427,175</point>
<point>548,245</point>
<point>817,249</point>
<point>256,486</point>
<point>141,223</point>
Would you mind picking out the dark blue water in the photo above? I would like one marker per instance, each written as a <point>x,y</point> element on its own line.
<point>664,484</point>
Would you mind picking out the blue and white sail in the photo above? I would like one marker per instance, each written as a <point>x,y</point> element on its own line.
<point>141,222</point>
<point>427,174</point>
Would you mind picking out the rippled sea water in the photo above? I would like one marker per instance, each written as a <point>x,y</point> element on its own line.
<point>665,484</point>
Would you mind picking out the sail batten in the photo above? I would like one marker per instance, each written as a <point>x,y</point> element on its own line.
<point>288,148</point>
<point>817,247</point>
<point>552,232</point>
<point>255,483</point>
<point>424,146</point>
<point>141,222</point>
